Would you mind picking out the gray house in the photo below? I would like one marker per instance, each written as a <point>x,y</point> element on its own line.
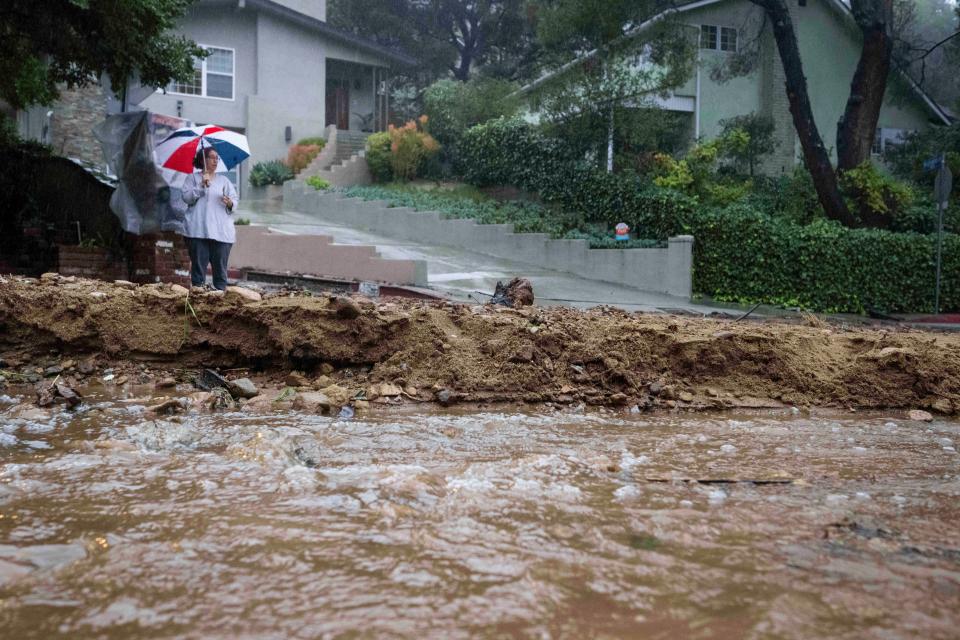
<point>276,72</point>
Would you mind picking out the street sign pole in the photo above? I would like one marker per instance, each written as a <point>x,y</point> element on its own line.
<point>941,192</point>
<point>936,295</point>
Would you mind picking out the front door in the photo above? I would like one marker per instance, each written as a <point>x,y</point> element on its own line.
<point>338,104</point>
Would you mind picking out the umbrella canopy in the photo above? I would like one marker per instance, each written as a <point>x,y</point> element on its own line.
<point>177,151</point>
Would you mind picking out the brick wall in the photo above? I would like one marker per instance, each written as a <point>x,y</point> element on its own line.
<point>90,262</point>
<point>776,105</point>
<point>159,257</point>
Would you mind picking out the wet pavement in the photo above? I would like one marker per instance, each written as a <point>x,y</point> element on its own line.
<point>451,524</point>
<point>467,276</point>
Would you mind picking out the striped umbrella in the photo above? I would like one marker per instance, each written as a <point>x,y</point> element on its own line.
<point>177,151</point>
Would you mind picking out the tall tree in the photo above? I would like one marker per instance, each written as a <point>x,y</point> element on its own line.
<point>880,29</point>
<point>44,43</point>
<point>858,125</point>
<point>815,155</point>
<point>448,36</point>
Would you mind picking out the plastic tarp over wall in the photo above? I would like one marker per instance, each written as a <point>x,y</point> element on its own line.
<point>147,199</point>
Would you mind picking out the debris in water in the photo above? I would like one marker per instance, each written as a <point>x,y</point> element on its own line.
<point>208,380</point>
<point>516,293</point>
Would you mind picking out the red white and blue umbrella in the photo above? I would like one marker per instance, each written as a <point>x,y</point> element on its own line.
<point>177,151</point>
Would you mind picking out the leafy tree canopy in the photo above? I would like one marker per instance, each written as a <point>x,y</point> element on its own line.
<point>45,43</point>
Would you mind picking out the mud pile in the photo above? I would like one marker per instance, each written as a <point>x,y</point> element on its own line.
<point>448,352</point>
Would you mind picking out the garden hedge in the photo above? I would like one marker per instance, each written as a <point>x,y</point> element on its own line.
<point>741,253</point>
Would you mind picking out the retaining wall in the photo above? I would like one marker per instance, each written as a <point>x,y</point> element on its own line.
<point>666,270</point>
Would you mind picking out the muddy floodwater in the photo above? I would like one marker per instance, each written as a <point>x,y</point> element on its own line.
<point>496,524</point>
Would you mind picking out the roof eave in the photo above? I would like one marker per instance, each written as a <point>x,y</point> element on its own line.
<point>397,57</point>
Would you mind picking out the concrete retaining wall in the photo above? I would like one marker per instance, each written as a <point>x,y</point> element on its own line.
<point>666,270</point>
<point>258,248</point>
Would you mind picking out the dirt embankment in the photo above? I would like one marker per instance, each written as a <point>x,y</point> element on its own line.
<point>480,354</point>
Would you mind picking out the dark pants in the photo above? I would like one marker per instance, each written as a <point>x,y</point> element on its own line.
<point>203,252</point>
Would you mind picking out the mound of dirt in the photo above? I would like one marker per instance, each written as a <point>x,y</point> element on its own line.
<point>486,353</point>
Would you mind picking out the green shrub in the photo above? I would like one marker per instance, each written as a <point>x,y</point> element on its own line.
<point>378,157</point>
<point>242,222</point>
<point>745,139</point>
<point>743,255</point>
<point>875,198</point>
<point>453,107</point>
<point>526,217</point>
<point>272,172</point>
<point>318,183</point>
<point>315,141</point>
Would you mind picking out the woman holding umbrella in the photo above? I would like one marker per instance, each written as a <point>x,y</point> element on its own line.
<point>210,195</point>
<point>209,228</point>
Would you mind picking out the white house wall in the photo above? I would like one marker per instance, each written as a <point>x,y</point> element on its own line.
<point>229,28</point>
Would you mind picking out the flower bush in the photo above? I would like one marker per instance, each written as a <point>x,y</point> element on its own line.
<point>301,155</point>
<point>410,146</point>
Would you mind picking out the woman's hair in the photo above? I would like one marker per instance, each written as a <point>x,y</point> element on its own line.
<point>201,154</point>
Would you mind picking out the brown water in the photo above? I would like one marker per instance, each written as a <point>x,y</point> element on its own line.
<point>447,525</point>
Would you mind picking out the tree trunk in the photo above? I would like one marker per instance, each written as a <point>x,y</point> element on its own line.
<point>858,125</point>
<point>815,155</point>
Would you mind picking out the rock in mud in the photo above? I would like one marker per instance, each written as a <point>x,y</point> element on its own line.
<point>656,387</point>
<point>296,379</point>
<point>166,383</point>
<point>920,416</point>
<point>242,294</point>
<point>243,388</point>
<point>312,402</point>
<point>387,389</point>
<point>686,396</point>
<point>179,290</point>
<point>220,398</point>
<point>169,406</point>
<point>72,397</point>
<point>162,435</point>
<point>125,284</point>
<point>344,307</point>
<point>942,405</point>
<point>208,379</point>
<point>446,397</point>
<point>86,367</point>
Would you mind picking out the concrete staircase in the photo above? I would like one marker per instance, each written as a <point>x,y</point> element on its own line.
<point>349,144</point>
<point>260,249</point>
<point>342,162</point>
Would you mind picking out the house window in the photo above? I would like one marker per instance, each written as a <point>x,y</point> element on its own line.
<point>728,39</point>
<point>708,37</point>
<point>718,38</point>
<point>886,139</point>
<point>213,76</point>
<point>194,86</point>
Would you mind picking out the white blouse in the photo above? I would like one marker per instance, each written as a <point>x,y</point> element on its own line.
<point>207,216</point>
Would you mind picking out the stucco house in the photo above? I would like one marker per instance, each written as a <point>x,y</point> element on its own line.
<point>829,44</point>
<point>276,72</point>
